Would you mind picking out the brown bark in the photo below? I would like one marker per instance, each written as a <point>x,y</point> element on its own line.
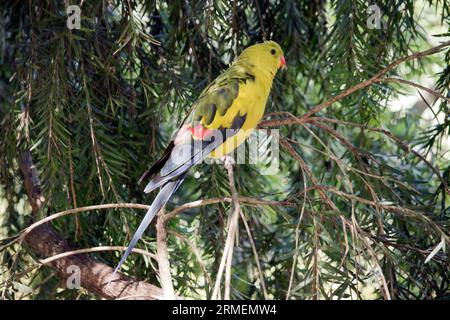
<point>94,277</point>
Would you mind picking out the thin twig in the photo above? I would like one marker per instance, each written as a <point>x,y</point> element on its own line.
<point>297,237</point>
<point>228,250</point>
<point>315,120</point>
<point>94,249</point>
<point>255,253</point>
<point>163,258</point>
<point>261,22</point>
<point>245,200</point>
<point>359,86</point>
<point>232,228</point>
<point>375,78</point>
<point>81,209</point>
<point>416,85</point>
<point>197,254</point>
<point>80,251</point>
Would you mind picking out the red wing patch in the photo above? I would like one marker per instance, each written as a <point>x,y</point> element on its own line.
<point>199,132</point>
<point>187,132</point>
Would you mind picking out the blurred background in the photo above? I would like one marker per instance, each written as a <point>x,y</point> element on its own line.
<point>366,182</point>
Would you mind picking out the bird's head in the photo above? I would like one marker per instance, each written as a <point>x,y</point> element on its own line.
<point>267,55</point>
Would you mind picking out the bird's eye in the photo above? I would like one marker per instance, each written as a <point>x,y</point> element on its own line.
<point>273,51</point>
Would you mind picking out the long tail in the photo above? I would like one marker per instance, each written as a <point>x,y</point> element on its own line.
<point>161,199</point>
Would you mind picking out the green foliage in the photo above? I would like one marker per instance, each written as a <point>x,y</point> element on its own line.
<point>97,105</point>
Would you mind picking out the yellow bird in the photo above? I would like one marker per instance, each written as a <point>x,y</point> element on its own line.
<point>221,119</point>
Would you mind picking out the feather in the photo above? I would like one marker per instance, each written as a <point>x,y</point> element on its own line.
<point>221,119</point>
<point>161,199</point>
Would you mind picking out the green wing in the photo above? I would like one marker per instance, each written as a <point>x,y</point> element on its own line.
<point>218,97</point>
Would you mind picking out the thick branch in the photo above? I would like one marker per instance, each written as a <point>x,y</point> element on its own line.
<point>45,242</point>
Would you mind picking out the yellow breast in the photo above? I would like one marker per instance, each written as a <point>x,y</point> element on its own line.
<point>251,101</point>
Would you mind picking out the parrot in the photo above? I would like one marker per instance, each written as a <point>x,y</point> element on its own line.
<point>222,117</point>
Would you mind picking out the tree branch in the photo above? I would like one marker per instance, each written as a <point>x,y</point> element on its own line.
<point>163,257</point>
<point>376,78</point>
<point>416,85</point>
<point>45,242</point>
<point>194,204</point>
<point>227,256</point>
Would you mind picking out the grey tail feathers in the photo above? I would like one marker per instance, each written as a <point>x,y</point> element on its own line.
<point>161,199</point>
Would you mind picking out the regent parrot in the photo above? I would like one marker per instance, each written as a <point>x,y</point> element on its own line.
<point>221,119</point>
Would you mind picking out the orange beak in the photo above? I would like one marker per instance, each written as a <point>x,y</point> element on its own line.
<point>282,62</point>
